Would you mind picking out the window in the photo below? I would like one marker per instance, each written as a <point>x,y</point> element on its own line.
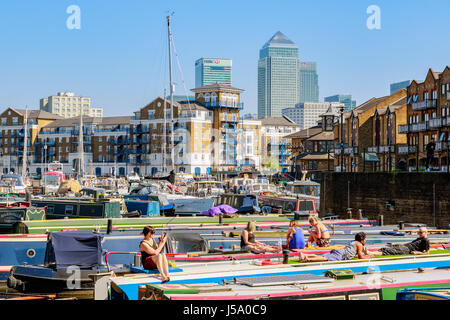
<point>3,121</point>
<point>69,210</point>
<point>15,121</point>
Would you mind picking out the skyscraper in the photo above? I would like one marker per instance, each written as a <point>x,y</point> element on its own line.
<point>278,76</point>
<point>345,99</point>
<point>212,70</point>
<point>309,82</point>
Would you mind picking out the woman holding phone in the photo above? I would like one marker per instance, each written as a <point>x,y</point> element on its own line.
<point>151,255</point>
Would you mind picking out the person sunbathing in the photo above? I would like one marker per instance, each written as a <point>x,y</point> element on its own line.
<point>419,246</point>
<point>320,234</point>
<point>353,249</point>
<point>295,239</point>
<point>248,241</point>
<point>151,255</point>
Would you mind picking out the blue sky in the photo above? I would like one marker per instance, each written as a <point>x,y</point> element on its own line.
<point>119,56</point>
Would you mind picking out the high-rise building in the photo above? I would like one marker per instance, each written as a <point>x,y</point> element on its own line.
<point>399,85</point>
<point>67,105</point>
<point>213,70</point>
<point>309,82</point>
<point>345,99</point>
<point>278,76</point>
<point>307,114</point>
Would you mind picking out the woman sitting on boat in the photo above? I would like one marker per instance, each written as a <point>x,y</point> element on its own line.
<point>320,234</point>
<point>248,241</point>
<point>353,249</point>
<point>295,239</point>
<point>151,255</point>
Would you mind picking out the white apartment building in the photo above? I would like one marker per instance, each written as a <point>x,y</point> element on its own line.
<point>67,105</point>
<point>274,145</point>
<point>307,114</point>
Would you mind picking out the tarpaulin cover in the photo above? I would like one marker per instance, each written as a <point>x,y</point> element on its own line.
<point>79,248</point>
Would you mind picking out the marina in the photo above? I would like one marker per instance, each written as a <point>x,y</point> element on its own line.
<point>229,184</point>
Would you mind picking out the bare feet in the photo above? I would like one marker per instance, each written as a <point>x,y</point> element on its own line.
<point>302,257</point>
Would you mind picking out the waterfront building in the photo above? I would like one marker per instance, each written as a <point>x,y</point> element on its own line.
<point>345,99</point>
<point>67,105</point>
<point>394,87</point>
<point>357,134</point>
<point>12,136</point>
<point>428,116</point>
<point>213,70</point>
<point>382,155</point>
<point>307,114</point>
<point>278,76</point>
<point>309,82</point>
<point>312,148</point>
<point>275,148</point>
<point>249,144</point>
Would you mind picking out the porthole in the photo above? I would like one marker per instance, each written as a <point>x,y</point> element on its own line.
<point>31,253</point>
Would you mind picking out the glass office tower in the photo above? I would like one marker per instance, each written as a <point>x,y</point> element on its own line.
<point>345,99</point>
<point>399,85</point>
<point>212,70</point>
<point>309,82</point>
<point>278,76</point>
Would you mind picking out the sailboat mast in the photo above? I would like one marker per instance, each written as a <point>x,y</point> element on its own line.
<point>25,147</point>
<point>80,148</point>
<point>164,148</point>
<point>172,156</point>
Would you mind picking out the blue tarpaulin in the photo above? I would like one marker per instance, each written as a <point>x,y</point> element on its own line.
<point>79,248</point>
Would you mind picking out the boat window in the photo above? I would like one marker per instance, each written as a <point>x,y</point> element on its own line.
<point>50,209</point>
<point>307,205</point>
<point>69,209</point>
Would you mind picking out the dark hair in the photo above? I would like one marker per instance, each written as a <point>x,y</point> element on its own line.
<point>148,229</point>
<point>360,236</point>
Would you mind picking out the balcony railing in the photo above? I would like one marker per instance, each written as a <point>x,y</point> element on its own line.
<point>239,106</point>
<point>351,151</point>
<point>442,145</point>
<point>405,149</point>
<point>435,123</point>
<point>337,151</point>
<point>423,105</point>
<point>404,128</point>
<point>387,149</point>
<point>372,149</point>
<point>420,126</point>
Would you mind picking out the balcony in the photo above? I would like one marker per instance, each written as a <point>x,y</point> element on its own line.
<point>420,126</point>
<point>448,96</point>
<point>405,149</point>
<point>404,128</point>
<point>386,149</point>
<point>442,146</point>
<point>435,123</point>
<point>239,106</point>
<point>351,151</point>
<point>423,105</point>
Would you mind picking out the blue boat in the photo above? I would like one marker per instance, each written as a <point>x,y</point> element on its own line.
<point>67,254</point>
<point>165,208</point>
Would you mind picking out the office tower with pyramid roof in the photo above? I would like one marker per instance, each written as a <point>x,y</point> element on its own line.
<point>278,76</point>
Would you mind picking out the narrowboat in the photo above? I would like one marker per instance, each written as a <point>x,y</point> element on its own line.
<point>305,280</point>
<point>244,203</point>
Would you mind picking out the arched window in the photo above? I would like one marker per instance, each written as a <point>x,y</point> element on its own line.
<point>207,97</point>
<point>213,99</point>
